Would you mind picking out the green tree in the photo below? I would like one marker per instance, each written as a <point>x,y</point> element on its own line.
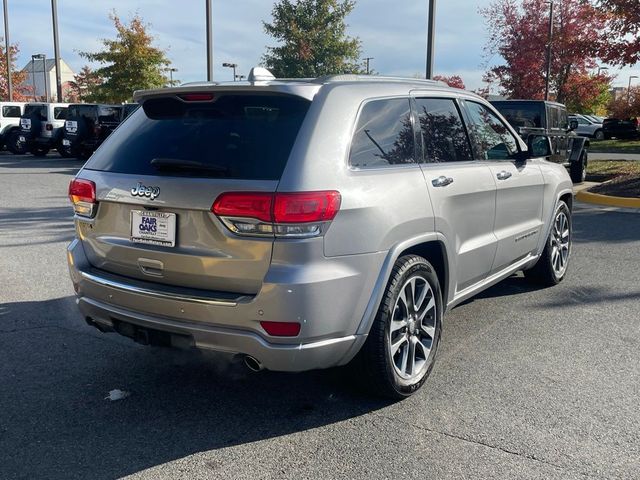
<point>129,62</point>
<point>84,84</point>
<point>313,39</point>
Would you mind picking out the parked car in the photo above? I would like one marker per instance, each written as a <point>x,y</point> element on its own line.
<point>87,126</point>
<point>594,118</point>
<point>308,224</point>
<point>536,117</point>
<point>623,129</point>
<point>10,113</point>
<point>41,127</point>
<point>587,127</point>
<point>128,109</point>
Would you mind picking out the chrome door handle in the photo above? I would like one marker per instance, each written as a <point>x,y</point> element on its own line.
<point>441,181</point>
<point>503,175</point>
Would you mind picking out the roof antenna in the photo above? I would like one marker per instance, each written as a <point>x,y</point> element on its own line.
<point>259,74</point>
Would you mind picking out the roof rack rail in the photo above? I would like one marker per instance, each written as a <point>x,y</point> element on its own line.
<point>349,77</point>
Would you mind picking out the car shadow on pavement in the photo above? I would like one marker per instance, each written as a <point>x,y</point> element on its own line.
<point>57,423</point>
<point>620,226</point>
<point>36,226</point>
<point>60,165</point>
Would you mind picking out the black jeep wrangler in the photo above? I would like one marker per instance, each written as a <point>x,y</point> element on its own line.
<point>538,117</point>
<point>87,126</point>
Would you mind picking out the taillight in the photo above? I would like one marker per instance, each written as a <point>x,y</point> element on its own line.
<point>281,329</point>
<point>299,214</point>
<point>48,127</point>
<point>82,194</point>
<point>197,97</point>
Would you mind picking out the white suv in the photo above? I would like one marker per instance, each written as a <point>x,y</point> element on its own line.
<point>10,113</point>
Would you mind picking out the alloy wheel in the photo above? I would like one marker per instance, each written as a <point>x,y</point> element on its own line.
<point>560,244</point>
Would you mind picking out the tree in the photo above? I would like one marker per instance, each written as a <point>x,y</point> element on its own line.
<point>313,39</point>
<point>130,62</point>
<point>622,36</point>
<point>84,84</point>
<point>518,31</point>
<point>20,89</point>
<point>625,106</point>
<point>453,81</point>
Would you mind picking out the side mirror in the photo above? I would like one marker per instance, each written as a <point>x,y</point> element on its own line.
<point>539,146</point>
<point>573,124</point>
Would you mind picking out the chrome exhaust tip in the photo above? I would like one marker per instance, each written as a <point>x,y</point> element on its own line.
<point>252,364</point>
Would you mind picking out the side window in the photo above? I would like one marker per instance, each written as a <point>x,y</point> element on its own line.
<point>563,119</point>
<point>492,138</point>
<point>59,113</point>
<point>11,111</point>
<point>554,120</point>
<point>443,135</point>
<point>384,135</point>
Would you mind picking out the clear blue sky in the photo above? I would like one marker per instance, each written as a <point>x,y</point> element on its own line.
<point>393,32</point>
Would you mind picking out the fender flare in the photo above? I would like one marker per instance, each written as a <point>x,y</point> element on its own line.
<point>578,145</point>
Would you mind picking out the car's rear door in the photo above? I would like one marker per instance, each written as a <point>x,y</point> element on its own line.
<point>461,189</point>
<point>520,185</point>
<point>157,179</point>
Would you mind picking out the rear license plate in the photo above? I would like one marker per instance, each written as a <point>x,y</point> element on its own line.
<point>66,142</point>
<point>22,139</point>
<point>154,228</point>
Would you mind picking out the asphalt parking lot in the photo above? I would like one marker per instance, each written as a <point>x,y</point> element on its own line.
<point>529,383</point>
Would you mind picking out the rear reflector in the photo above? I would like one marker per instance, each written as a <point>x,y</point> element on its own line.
<point>196,97</point>
<point>281,329</point>
<point>82,194</point>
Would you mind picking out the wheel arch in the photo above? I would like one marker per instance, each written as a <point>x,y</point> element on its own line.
<point>578,145</point>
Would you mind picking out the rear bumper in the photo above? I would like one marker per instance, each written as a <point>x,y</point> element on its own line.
<point>329,303</point>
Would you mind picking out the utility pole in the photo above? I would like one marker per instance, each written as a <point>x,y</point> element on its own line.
<point>367,60</point>
<point>431,37</point>
<point>8,49</point>
<point>209,42</point>
<point>629,89</point>
<point>56,49</point>
<point>171,70</point>
<point>548,75</point>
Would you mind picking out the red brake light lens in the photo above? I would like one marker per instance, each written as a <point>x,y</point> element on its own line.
<point>196,97</point>
<point>48,127</point>
<point>82,191</point>
<point>281,329</point>
<point>306,207</point>
<point>244,205</point>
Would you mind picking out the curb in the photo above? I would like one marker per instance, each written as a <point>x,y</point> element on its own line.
<point>623,202</point>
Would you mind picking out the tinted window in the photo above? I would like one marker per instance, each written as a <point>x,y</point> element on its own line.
<point>553,117</point>
<point>521,114</point>
<point>38,111</point>
<point>109,114</point>
<point>384,135</point>
<point>492,138</point>
<point>59,113</point>
<point>563,119</point>
<point>11,111</point>
<point>443,135</point>
<point>82,111</point>
<point>235,136</point>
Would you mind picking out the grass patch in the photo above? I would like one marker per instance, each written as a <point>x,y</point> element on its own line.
<point>613,168</point>
<point>615,146</point>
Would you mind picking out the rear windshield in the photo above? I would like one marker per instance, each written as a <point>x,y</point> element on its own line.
<point>245,136</point>
<point>84,111</point>
<point>36,110</point>
<point>527,115</point>
<point>109,114</point>
<point>60,113</point>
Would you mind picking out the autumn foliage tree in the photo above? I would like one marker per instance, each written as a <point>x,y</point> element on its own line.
<point>518,31</point>
<point>313,39</point>
<point>84,84</point>
<point>20,89</point>
<point>626,106</point>
<point>129,62</point>
<point>622,34</point>
<point>453,81</point>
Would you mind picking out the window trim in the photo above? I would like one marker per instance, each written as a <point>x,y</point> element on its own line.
<point>522,147</point>
<point>418,133</point>
<point>354,128</point>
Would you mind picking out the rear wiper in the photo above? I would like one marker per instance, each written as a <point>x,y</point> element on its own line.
<point>179,164</point>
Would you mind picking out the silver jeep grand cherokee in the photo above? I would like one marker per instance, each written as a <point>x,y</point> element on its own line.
<point>306,224</point>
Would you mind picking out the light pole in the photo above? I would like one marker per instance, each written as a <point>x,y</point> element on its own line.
<point>171,70</point>
<point>240,77</point>
<point>7,50</point>
<point>231,65</point>
<point>550,38</point>
<point>431,37</point>
<point>600,69</point>
<point>629,89</point>
<point>56,49</point>
<point>43,57</point>
<point>367,60</point>
<point>209,41</point>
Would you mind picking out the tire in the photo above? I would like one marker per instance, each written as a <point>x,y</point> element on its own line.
<point>395,326</point>
<point>552,265</point>
<point>64,151</point>
<point>578,170</point>
<point>13,145</point>
<point>39,151</point>
<point>598,135</point>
